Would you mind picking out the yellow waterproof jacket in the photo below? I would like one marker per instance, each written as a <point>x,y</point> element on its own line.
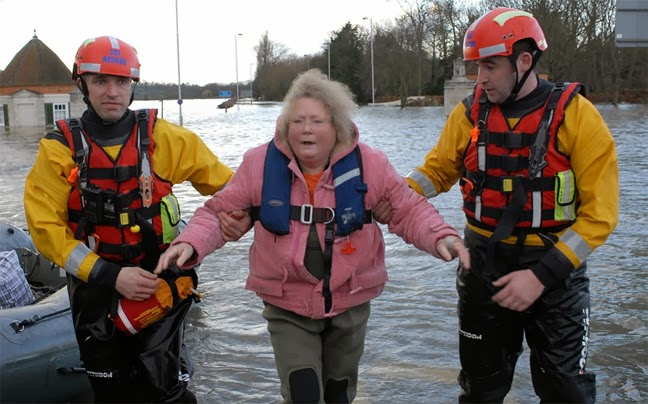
<point>179,156</point>
<point>584,138</point>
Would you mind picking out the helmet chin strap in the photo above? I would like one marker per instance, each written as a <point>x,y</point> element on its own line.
<point>84,90</point>
<point>132,97</point>
<point>520,82</point>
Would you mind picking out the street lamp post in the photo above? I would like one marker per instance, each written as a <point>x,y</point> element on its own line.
<point>373,86</point>
<point>236,58</point>
<point>251,91</point>
<point>328,51</point>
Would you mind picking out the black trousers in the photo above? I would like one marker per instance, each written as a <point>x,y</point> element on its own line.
<point>151,366</point>
<point>556,328</point>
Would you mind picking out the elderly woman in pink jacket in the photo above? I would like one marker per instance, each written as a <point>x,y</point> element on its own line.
<point>317,258</point>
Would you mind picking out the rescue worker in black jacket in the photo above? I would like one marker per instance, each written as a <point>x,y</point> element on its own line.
<point>538,173</point>
<point>99,203</point>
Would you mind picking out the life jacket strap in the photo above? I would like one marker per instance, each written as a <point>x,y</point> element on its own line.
<point>506,184</point>
<point>329,238</point>
<point>127,252</point>
<point>519,230</point>
<point>510,140</point>
<point>496,214</point>
<point>120,218</point>
<point>308,214</point>
<point>507,163</point>
<point>117,173</point>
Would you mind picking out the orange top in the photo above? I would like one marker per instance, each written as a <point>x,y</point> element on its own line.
<point>311,182</point>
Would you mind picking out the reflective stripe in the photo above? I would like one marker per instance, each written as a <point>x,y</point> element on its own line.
<point>85,145</point>
<point>76,257</point>
<point>90,67</point>
<point>124,319</point>
<point>114,43</point>
<point>481,158</point>
<point>568,212</point>
<point>423,182</point>
<point>565,196</point>
<point>170,214</point>
<point>346,177</point>
<point>478,206</point>
<point>171,203</point>
<point>492,50</point>
<point>576,243</point>
<point>537,208</point>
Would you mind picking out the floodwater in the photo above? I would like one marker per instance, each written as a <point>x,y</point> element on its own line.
<point>411,347</point>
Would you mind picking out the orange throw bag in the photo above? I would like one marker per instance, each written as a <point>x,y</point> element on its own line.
<point>132,316</point>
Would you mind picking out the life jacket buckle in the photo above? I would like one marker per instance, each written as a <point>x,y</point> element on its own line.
<point>122,173</point>
<point>306,214</point>
<point>513,140</point>
<point>124,219</point>
<point>327,221</point>
<point>475,182</point>
<point>507,185</point>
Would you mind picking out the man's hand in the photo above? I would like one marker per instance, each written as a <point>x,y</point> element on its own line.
<point>382,212</point>
<point>234,224</point>
<point>451,247</point>
<point>520,289</point>
<point>176,254</point>
<point>135,283</point>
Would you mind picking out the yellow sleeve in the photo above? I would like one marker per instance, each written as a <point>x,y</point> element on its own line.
<point>180,155</point>
<point>46,198</point>
<point>443,165</point>
<point>586,140</point>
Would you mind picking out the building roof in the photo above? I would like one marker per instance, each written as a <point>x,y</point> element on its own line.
<point>35,65</point>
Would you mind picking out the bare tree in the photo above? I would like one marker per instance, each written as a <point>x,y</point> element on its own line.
<point>268,55</point>
<point>419,20</point>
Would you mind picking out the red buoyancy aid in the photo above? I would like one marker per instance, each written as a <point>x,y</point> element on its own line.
<point>500,160</point>
<point>107,205</point>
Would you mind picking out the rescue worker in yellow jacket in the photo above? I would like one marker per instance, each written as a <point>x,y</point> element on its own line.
<point>538,172</point>
<point>99,203</point>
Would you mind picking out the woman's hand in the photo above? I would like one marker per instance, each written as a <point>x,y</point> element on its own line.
<point>451,247</point>
<point>176,254</point>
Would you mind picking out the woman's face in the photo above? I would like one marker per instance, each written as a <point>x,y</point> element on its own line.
<point>311,134</point>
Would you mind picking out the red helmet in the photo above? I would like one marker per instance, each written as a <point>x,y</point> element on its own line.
<point>494,33</point>
<point>106,55</point>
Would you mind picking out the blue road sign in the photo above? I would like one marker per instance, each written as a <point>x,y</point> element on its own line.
<point>224,94</point>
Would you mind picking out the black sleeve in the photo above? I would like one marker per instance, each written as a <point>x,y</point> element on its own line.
<point>553,268</point>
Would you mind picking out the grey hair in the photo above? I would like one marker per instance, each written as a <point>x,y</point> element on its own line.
<point>337,98</point>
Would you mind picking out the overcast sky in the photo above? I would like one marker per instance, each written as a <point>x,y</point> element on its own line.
<point>207,30</point>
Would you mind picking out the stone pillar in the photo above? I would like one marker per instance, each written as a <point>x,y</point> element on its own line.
<point>457,88</point>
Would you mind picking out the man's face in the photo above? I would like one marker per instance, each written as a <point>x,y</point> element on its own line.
<point>109,95</point>
<point>497,78</point>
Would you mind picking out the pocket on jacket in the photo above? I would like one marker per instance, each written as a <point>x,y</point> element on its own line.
<point>170,213</point>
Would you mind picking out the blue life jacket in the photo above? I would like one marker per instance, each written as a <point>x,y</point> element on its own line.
<point>276,212</point>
